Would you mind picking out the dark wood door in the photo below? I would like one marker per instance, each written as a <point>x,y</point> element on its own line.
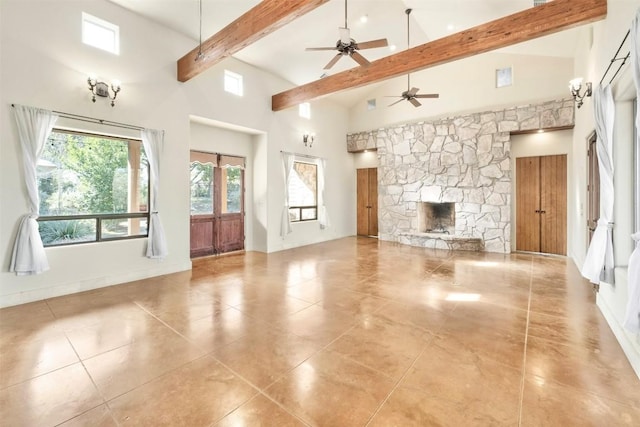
<point>229,225</point>
<point>203,194</point>
<point>541,204</point>
<point>367,202</point>
<point>217,206</point>
<point>202,235</point>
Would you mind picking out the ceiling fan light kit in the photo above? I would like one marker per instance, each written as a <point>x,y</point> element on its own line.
<point>411,94</point>
<point>346,46</point>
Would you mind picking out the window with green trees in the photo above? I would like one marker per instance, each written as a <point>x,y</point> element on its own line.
<point>92,188</point>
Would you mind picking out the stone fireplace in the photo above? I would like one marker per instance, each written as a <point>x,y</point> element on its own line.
<point>446,183</point>
<point>436,218</point>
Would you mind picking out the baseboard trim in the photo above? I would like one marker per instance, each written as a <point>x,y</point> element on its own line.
<point>623,338</point>
<point>90,284</point>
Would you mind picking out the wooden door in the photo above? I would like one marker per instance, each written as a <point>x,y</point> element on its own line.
<point>217,204</point>
<point>367,202</point>
<point>528,204</point>
<point>203,194</point>
<point>553,204</point>
<point>373,202</point>
<point>541,204</point>
<point>230,222</point>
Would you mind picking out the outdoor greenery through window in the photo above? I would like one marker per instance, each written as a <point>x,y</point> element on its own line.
<point>303,192</point>
<point>92,188</point>
<point>203,187</point>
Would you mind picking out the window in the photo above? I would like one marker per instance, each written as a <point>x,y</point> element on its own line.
<point>233,83</point>
<point>371,104</point>
<point>92,188</point>
<point>504,77</point>
<point>303,192</point>
<point>304,110</point>
<point>101,34</point>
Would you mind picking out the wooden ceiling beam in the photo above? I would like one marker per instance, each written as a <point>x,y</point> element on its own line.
<point>536,22</point>
<point>265,18</point>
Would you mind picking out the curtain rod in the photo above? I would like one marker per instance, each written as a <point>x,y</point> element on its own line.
<point>94,120</point>
<point>615,58</point>
<point>302,155</point>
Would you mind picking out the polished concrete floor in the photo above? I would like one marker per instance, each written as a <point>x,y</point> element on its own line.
<point>351,332</point>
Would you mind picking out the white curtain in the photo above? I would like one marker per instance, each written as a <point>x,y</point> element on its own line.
<point>632,316</point>
<point>153,141</point>
<point>323,215</point>
<point>287,164</point>
<point>34,128</point>
<point>600,253</point>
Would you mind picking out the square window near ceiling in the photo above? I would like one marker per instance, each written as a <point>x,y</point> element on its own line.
<point>233,83</point>
<point>504,77</point>
<point>99,33</point>
<point>304,110</point>
<point>371,104</point>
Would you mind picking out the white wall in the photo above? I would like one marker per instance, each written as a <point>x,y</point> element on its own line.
<point>466,86</point>
<point>329,124</point>
<point>44,64</point>
<point>544,144</point>
<point>592,58</point>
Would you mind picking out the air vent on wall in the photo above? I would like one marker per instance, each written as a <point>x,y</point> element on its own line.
<point>538,2</point>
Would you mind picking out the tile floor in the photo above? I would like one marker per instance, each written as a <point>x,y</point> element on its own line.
<point>351,332</point>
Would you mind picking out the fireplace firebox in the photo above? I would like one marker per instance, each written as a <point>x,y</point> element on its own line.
<point>437,217</point>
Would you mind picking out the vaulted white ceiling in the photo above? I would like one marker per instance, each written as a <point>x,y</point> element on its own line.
<point>283,51</point>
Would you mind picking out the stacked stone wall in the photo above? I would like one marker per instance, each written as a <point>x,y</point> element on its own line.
<point>465,160</point>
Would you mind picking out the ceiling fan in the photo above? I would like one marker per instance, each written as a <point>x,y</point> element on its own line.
<point>411,94</point>
<point>347,46</point>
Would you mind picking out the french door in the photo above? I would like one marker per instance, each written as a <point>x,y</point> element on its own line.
<point>217,204</point>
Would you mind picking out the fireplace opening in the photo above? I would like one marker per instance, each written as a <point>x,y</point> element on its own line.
<point>437,218</point>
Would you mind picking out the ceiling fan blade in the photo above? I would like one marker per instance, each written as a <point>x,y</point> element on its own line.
<point>413,91</point>
<point>393,96</point>
<point>394,103</point>
<point>428,95</point>
<point>333,61</point>
<point>345,35</point>
<point>359,58</point>
<point>372,44</point>
<point>321,48</point>
<point>415,102</point>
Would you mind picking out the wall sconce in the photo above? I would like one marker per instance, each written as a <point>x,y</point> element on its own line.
<point>575,85</point>
<point>102,89</point>
<point>308,139</point>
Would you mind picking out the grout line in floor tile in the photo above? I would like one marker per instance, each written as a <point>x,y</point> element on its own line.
<point>102,396</point>
<point>406,372</point>
<point>524,355</point>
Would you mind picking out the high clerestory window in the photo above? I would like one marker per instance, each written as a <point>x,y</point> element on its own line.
<point>304,110</point>
<point>92,188</point>
<point>233,83</point>
<point>99,33</point>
